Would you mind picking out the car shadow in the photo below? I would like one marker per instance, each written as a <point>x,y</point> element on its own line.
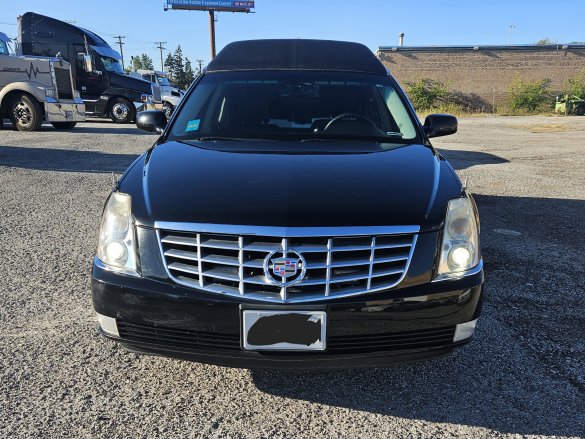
<point>465,159</point>
<point>65,160</point>
<point>521,373</point>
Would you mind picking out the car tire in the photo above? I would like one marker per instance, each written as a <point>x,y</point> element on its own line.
<point>580,110</point>
<point>63,125</point>
<point>168,109</point>
<point>121,110</point>
<point>25,113</point>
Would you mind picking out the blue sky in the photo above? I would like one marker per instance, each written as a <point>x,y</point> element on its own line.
<point>372,22</point>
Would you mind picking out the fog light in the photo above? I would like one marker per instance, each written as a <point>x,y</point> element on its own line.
<point>464,330</point>
<point>108,325</point>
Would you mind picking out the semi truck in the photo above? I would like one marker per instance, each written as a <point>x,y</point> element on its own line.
<point>104,87</point>
<point>171,96</point>
<point>36,89</point>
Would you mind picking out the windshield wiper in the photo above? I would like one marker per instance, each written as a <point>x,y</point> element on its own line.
<point>230,139</point>
<point>317,139</point>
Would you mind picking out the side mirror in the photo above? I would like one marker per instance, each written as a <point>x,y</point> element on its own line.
<point>437,125</point>
<point>88,63</point>
<point>152,121</point>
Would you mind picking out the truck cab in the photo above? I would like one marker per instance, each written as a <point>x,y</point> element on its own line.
<point>36,89</point>
<point>171,96</point>
<point>105,89</point>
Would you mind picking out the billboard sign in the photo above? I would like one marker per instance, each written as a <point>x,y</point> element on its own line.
<point>212,5</point>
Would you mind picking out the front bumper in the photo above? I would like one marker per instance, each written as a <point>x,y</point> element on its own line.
<point>373,330</point>
<point>64,111</point>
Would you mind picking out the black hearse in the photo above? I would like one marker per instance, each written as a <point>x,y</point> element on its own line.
<point>293,213</point>
<point>104,87</point>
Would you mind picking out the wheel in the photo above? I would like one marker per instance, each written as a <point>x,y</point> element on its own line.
<point>121,110</point>
<point>25,113</point>
<point>63,125</point>
<point>580,110</point>
<point>168,109</point>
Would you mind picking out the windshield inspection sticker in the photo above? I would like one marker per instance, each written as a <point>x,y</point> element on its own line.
<point>193,125</point>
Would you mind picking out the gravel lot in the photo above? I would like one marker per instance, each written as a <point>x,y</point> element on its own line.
<point>524,374</point>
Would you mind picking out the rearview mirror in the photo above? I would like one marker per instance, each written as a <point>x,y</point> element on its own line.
<point>88,63</point>
<point>437,125</point>
<point>152,121</point>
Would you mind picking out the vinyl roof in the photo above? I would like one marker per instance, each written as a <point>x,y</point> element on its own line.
<point>296,55</point>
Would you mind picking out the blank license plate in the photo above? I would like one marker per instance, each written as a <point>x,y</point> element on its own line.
<point>284,330</point>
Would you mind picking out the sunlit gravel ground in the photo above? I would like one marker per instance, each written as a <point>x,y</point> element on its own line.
<point>523,375</point>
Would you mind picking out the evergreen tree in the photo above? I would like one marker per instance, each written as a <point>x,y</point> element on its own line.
<point>170,64</point>
<point>146,61</point>
<point>136,63</point>
<point>189,74</point>
<point>178,67</point>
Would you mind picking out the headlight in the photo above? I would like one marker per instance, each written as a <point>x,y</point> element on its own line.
<point>146,98</point>
<point>76,94</point>
<point>460,246</point>
<point>116,241</point>
<point>50,92</point>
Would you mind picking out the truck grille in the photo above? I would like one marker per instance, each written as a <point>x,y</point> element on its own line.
<point>63,78</point>
<point>156,93</point>
<point>332,265</point>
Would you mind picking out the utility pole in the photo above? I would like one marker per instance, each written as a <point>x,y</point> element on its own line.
<point>120,43</point>
<point>160,46</point>
<point>510,34</point>
<point>200,62</point>
<point>212,31</point>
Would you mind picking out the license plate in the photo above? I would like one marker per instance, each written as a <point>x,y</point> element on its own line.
<point>69,115</point>
<point>284,330</point>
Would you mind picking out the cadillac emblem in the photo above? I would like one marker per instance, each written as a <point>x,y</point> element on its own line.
<point>284,268</point>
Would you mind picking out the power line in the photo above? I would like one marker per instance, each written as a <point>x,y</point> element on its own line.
<point>120,43</point>
<point>161,47</point>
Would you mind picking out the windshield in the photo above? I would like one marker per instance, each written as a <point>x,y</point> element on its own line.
<point>162,80</point>
<point>111,65</point>
<point>4,48</point>
<point>294,105</point>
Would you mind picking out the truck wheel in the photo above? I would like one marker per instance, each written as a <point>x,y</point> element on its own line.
<point>63,125</point>
<point>580,110</point>
<point>168,109</point>
<point>25,113</point>
<point>121,110</point>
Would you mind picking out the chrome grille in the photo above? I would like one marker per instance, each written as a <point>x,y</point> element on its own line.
<point>156,93</point>
<point>63,79</point>
<point>336,264</point>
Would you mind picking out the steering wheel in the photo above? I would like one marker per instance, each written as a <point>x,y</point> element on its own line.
<point>349,117</point>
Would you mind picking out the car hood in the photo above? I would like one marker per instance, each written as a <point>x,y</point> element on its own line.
<point>179,182</point>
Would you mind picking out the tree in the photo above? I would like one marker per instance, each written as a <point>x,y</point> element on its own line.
<point>178,67</point>
<point>136,62</point>
<point>545,41</point>
<point>146,61</point>
<point>189,74</point>
<point>170,64</point>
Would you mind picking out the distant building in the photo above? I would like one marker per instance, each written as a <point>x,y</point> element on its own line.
<point>480,75</point>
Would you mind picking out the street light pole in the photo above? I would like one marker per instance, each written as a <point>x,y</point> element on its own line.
<point>510,34</point>
<point>212,32</point>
